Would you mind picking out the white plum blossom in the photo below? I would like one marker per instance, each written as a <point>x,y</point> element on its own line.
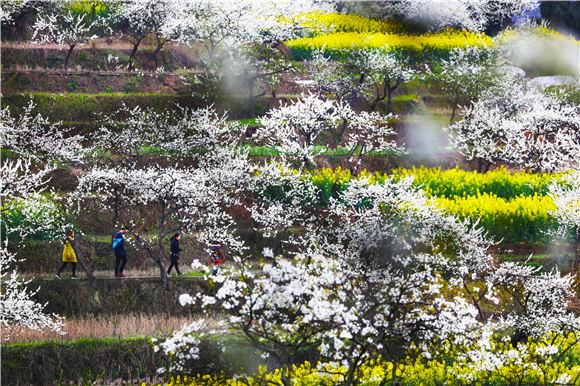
<point>17,308</point>
<point>24,195</point>
<point>9,9</point>
<point>31,135</point>
<point>268,253</point>
<point>360,282</point>
<point>380,73</point>
<point>57,23</point>
<point>523,127</point>
<point>471,71</point>
<point>185,299</point>
<point>139,18</point>
<point>371,74</point>
<point>381,269</point>
<point>332,76</point>
<point>295,128</point>
<point>538,303</point>
<point>19,179</point>
<point>137,132</point>
<point>22,188</point>
<point>186,200</point>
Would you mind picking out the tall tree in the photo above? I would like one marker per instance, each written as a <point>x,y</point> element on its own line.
<point>58,23</point>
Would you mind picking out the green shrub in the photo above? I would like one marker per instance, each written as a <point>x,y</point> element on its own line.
<point>131,85</point>
<point>72,85</point>
<point>85,360</point>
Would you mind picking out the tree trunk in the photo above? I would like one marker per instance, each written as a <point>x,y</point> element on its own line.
<point>390,91</point>
<point>82,261</point>
<point>160,44</point>
<point>69,53</point>
<point>133,52</point>
<point>116,208</point>
<point>158,259</point>
<point>162,271</point>
<point>577,250</point>
<point>455,102</point>
<point>395,381</point>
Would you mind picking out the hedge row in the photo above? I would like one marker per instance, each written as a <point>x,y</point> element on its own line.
<point>85,360</point>
<point>110,296</point>
<point>92,107</point>
<point>108,360</point>
<point>76,107</point>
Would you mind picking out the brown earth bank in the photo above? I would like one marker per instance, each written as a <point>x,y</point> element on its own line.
<point>91,82</point>
<point>96,56</point>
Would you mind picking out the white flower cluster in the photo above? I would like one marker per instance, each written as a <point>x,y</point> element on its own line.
<point>137,132</point>
<point>17,308</point>
<point>372,74</point>
<point>31,135</point>
<point>295,128</point>
<point>380,267</point>
<point>523,127</point>
<point>57,23</point>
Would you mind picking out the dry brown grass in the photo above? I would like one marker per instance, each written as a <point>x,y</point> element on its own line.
<point>110,326</point>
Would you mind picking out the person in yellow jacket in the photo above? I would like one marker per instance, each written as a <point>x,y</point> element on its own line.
<point>69,255</point>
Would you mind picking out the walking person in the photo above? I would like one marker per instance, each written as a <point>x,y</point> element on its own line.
<point>68,255</point>
<point>216,257</point>
<point>118,244</point>
<point>174,254</point>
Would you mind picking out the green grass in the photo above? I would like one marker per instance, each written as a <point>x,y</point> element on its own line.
<point>99,94</point>
<point>81,341</point>
<point>194,274</point>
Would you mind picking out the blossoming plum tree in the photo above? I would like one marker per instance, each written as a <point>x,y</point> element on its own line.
<point>372,74</point>
<point>295,128</point>
<point>138,19</point>
<point>17,306</point>
<point>38,145</point>
<point>193,198</point>
<point>58,23</point>
<point>135,133</point>
<point>21,186</point>
<point>29,134</point>
<point>523,127</point>
<point>380,271</point>
<point>358,290</point>
<point>471,71</point>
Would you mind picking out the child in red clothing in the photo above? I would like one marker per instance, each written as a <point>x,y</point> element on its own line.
<point>216,257</point>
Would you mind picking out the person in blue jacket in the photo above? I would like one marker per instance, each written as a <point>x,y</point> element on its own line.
<point>118,244</point>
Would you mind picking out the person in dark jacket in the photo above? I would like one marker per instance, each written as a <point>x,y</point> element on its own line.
<point>174,254</point>
<point>118,244</point>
